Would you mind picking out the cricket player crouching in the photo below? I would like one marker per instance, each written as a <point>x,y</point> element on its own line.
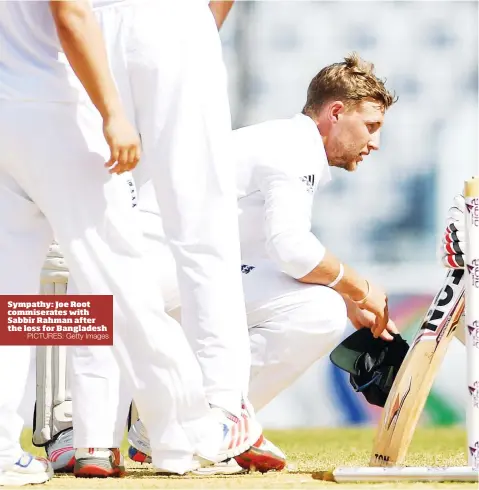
<point>298,295</point>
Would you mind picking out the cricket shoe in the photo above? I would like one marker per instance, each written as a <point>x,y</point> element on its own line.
<point>239,435</point>
<point>228,467</point>
<point>138,438</point>
<point>263,456</point>
<point>27,470</point>
<point>98,463</point>
<point>60,452</point>
<point>139,450</point>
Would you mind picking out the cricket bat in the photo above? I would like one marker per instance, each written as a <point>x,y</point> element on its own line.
<point>414,380</point>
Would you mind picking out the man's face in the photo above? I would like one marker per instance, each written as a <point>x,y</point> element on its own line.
<point>353,133</point>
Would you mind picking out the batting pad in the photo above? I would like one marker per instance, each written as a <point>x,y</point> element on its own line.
<point>53,408</point>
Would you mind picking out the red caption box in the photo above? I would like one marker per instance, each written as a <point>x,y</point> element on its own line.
<point>56,320</point>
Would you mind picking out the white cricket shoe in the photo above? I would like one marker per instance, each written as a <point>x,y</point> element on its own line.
<point>27,470</point>
<point>61,453</point>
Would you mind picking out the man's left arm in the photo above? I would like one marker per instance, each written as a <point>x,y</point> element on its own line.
<point>220,10</point>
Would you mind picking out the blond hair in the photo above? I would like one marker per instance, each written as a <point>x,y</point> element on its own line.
<point>350,81</point>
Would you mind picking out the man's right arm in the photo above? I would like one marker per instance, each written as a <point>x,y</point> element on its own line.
<point>82,41</point>
<point>351,283</point>
<point>346,281</point>
<point>291,244</point>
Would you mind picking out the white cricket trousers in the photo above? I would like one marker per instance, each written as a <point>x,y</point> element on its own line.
<point>291,326</point>
<point>167,60</point>
<point>52,179</point>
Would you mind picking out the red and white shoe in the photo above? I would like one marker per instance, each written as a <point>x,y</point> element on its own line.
<point>263,456</point>
<point>238,435</point>
<point>98,463</point>
<point>60,452</point>
<point>139,450</point>
<point>242,440</point>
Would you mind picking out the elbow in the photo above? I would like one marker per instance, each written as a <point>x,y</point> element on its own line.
<point>283,256</point>
<point>68,15</point>
<point>304,279</point>
<point>296,256</point>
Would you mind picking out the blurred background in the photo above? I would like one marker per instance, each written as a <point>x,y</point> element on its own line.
<point>385,219</point>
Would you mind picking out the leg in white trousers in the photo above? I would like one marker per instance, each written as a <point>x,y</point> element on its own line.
<point>167,60</point>
<point>291,326</point>
<point>101,398</point>
<point>58,179</point>
<point>18,260</point>
<point>14,367</point>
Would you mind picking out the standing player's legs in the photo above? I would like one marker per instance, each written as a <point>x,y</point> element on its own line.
<point>97,376</point>
<point>93,220</point>
<point>102,400</point>
<point>24,238</point>
<point>182,111</point>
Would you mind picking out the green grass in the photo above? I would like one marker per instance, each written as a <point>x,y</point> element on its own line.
<point>308,451</point>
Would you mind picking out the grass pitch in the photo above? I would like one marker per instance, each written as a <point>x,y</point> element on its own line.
<point>307,451</point>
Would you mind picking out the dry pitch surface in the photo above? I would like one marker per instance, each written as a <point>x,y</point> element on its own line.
<point>308,451</point>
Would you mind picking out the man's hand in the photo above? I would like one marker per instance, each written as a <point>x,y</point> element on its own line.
<point>124,143</point>
<point>452,247</point>
<point>377,304</point>
<point>365,319</point>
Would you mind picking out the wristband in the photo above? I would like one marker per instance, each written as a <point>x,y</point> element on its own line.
<point>338,278</point>
<point>362,301</point>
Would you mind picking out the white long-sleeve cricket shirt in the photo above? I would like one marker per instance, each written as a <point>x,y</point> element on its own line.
<point>280,165</point>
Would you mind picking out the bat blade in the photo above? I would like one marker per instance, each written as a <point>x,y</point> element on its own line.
<point>414,380</point>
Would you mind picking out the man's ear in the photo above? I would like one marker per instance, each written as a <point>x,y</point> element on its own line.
<point>335,109</point>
